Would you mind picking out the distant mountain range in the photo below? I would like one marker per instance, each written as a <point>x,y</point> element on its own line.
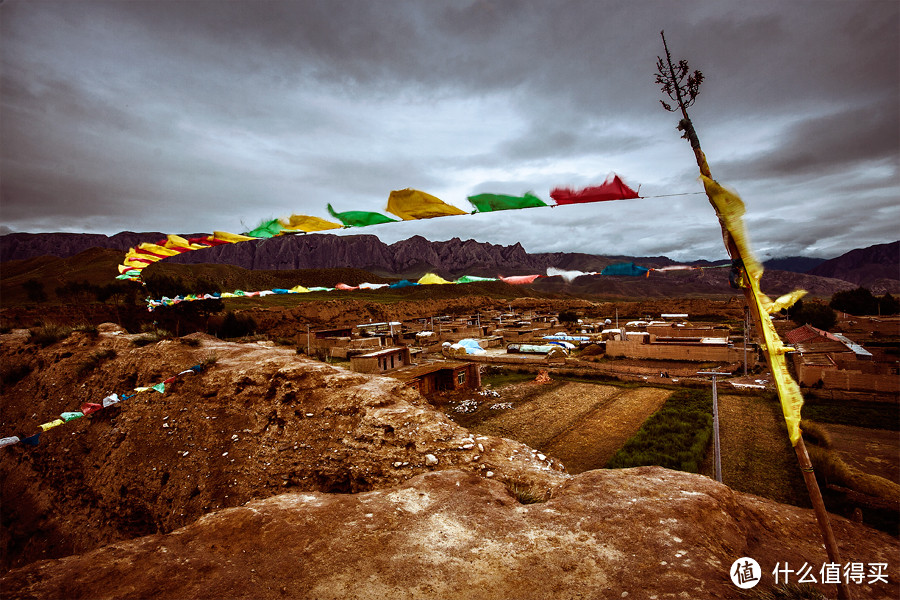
<point>876,267</point>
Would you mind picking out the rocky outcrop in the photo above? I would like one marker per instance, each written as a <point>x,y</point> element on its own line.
<point>259,422</point>
<point>646,533</point>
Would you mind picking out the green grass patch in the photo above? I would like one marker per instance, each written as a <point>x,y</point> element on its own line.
<point>676,436</point>
<point>873,415</point>
<point>503,378</point>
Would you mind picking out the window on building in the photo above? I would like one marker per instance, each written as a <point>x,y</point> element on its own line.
<point>461,378</point>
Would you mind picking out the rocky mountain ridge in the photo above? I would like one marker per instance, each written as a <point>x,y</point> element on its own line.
<point>877,267</point>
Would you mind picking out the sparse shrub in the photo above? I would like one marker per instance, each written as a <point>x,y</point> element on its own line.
<point>861,301</point>
<point>832,467</point>
<point>525,494</point>
<point>94,359</point>
<point>235,326</point>
<point>282,341</point>
<point>676,436</point>
<point>209,360</point>
<point>48,334</point>
<point>812,313</point>
<point>88,328</point>
<point>815,434</point>
<point>192,342</point>
<point>789,591</point>
<point>568,316</point>
<point>152,336</point>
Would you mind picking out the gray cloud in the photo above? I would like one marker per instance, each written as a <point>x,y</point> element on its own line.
<point>175,116</point>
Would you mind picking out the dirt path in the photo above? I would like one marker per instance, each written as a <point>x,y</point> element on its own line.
<point>874,451</point>
<point>581,424</point>
<point>756,454</point>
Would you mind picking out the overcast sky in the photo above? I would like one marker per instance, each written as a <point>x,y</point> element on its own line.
<point>201,116</point>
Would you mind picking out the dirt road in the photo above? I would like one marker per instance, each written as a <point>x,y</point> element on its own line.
<point>581,424</point>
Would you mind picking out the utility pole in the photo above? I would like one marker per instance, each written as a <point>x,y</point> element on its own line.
<point>746,326</point>
<point>717,448</point>
<point>682,86</point>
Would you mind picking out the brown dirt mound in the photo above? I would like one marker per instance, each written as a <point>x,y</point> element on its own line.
<point>259,422</point>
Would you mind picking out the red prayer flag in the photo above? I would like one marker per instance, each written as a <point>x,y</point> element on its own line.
<point>89,407</point>
<point>611,189</point>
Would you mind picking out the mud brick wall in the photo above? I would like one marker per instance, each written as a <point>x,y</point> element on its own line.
<point>847,380</point>
<point>698,353</point>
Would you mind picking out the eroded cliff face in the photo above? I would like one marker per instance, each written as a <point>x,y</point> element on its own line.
<point>326,251</point>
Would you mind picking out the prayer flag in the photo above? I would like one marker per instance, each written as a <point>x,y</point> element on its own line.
<point>626,269</point>
<point>402,284</point>
<point>32,440</point>
<point>569,276</point>
<point>411,204</point>
<point>520,279</point>
<point>432,279</point>
<point>110,400</point>
<point>71,416</point>
<point>9,441</point>
<point>611,189</point>
<point>266,229</point>
<point>359,218</point>
<point>730,210</point>
<point>159,387</point>
<point>307,224</point>
<point>473,278</point>
<point>494,202</point>
<point>345,287</point>
<point>90,407</point>
<point>51,424</point>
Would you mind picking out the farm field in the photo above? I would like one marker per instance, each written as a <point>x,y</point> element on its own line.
<point>580,424</point>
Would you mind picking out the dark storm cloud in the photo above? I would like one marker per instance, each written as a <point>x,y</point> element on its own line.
<point>201,115</point>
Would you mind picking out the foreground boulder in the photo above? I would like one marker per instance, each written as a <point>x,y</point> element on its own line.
<point>646,533</point>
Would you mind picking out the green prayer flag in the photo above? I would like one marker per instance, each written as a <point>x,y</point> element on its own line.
<point>70,416</point>
<point>359,218</point>
<point>492,202</point>
<point>473,278</point>
<point>159,387</point>
<point>267,229</point>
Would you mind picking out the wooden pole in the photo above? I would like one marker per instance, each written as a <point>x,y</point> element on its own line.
<point>809,476</point>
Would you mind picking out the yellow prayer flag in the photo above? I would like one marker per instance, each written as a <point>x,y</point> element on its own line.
<point>730,210</point>
<point>307,224</point>
<point>51,424</point>
<point>411,204</point>
<point>231,237</point>
<point>432,279</point>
